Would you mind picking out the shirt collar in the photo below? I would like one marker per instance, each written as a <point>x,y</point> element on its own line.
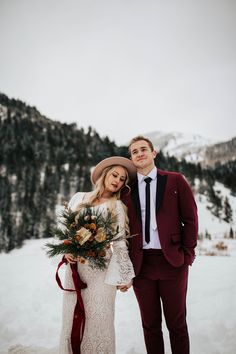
<point>152,174</point>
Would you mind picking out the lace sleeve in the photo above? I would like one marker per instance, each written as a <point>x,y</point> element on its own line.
<point>75,200</point>
<point>120,269</point>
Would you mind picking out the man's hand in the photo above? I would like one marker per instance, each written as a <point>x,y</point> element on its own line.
<point>124,288</point>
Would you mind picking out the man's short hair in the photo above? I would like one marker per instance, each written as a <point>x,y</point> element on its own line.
<point>138,138</point>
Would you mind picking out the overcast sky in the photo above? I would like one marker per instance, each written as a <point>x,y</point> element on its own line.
<point>124,66</point>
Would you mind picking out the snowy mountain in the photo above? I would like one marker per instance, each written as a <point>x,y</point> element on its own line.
<point>216,202</point>
<point>194,148</point>
<point>223,152</point>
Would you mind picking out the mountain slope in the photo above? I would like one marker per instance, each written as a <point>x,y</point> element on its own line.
<point>194,148</point>
<point>220,153</point>
<point>44,162</point>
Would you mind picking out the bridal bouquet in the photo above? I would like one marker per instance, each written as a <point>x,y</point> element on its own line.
<point>86,234</point>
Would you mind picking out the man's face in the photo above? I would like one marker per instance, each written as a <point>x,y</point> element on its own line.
<point>141,155</point>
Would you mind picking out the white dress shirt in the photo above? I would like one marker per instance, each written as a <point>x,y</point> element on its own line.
<point>154,236</point>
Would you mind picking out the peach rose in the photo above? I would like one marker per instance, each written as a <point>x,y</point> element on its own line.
<point>100,236</point>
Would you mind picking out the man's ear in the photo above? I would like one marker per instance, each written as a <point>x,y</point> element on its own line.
<point>154,153</point>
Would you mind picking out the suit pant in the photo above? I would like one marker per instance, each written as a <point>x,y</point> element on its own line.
<point>159,282</point>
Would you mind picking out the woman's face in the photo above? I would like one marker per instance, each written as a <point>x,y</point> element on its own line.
<point>115,179</point>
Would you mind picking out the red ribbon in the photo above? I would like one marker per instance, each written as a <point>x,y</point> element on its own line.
<point>77,331</point>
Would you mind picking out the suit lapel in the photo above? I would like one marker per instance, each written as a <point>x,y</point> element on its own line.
<point>161,184</point>
<point>135,199</point>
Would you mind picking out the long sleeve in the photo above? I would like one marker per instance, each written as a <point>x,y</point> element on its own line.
<point>73,203</point>
<point>120,269</point>
<point>75,200</point>
<point>189,217</point>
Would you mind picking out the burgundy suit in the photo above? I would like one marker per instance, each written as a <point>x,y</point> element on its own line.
<point>161,276</point>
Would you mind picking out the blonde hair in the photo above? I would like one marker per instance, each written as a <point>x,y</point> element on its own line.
<point>98,191</point>
<point>100,184</point>
<point>100,187</point>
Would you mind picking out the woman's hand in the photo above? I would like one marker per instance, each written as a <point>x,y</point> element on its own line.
<point>70,258</point>
<point>124,288</point>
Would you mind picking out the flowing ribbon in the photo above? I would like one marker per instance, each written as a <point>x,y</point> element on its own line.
<point>79,312</point>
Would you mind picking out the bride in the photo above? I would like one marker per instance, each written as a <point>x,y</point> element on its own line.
<point>98,297</point>
<point>109,177</point>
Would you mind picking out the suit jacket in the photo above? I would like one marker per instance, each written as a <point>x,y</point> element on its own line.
<point>176,215</point>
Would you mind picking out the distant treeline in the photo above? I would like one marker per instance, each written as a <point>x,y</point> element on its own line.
<point>43,162</point>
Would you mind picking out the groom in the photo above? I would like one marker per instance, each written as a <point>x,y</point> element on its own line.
<point>163,215</point>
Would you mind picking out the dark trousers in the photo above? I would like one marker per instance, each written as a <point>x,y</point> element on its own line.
<point>160,282</point>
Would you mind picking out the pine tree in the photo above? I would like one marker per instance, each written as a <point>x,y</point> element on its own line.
<point>231,233</point>
<point>228,212</point>
<point>207,235</point>
<point>216,201</point>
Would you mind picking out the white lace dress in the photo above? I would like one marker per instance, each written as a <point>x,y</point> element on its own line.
<point>99,296</point>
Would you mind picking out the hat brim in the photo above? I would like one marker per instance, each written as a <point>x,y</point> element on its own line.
<point>110,161</point>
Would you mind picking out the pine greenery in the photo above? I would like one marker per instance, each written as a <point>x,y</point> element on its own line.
<point>44,162</point>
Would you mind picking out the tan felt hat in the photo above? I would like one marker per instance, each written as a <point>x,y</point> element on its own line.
<point>110,161</point>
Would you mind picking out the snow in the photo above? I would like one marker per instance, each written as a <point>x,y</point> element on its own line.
<point>30,314</point>
<point>3,113</point>
<point>207,221</point>
<point>189,146</point>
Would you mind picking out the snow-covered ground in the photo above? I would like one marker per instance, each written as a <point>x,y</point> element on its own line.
<point>30,312</point>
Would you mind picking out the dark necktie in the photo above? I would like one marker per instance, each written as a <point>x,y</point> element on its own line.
<point>147,209</point>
